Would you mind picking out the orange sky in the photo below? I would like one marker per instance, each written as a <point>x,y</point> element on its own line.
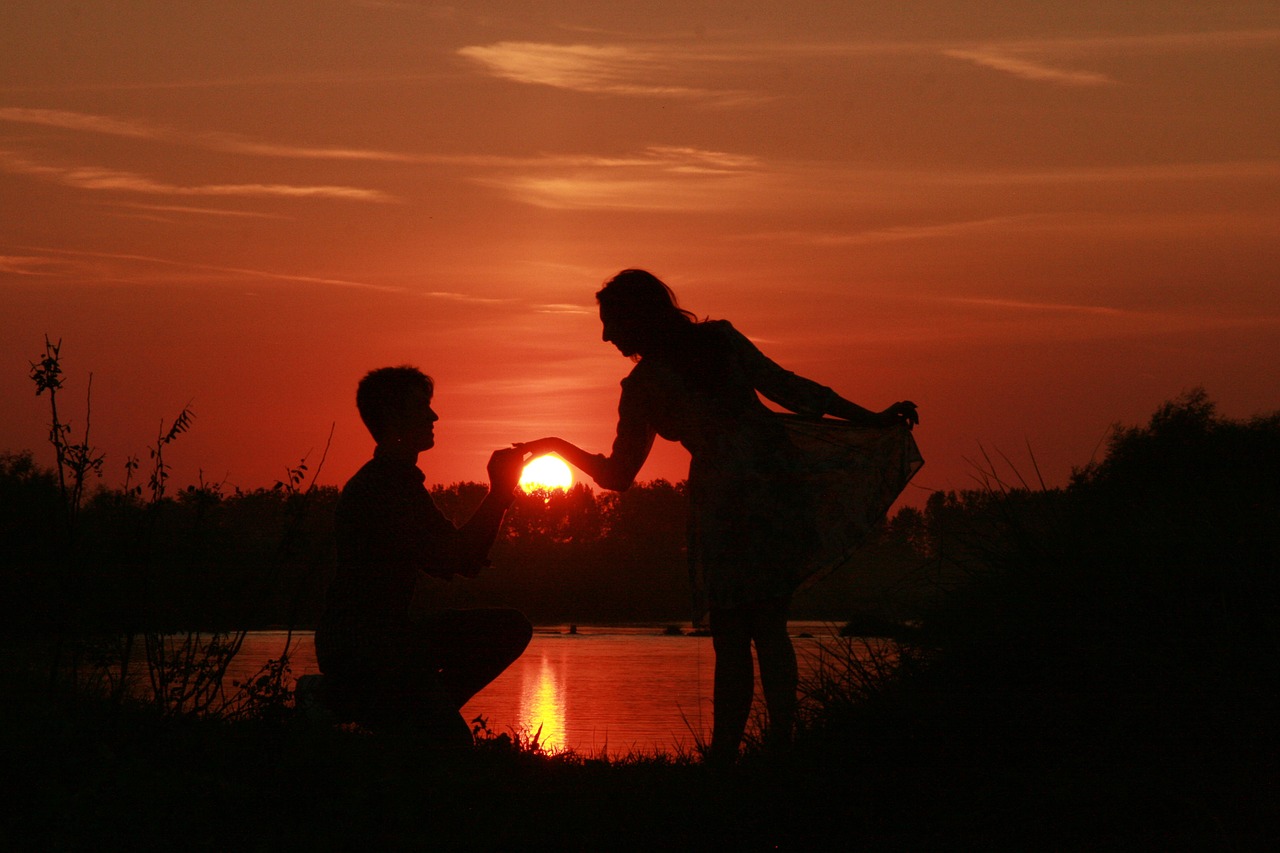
<point>1032,221</point>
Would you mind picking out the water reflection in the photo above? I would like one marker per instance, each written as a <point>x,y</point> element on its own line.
<point>542,705</point>
<point>612,690</point>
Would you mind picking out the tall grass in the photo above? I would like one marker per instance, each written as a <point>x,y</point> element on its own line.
<point>181,672</point>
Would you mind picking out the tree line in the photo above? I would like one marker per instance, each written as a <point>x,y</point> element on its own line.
<point>208,558</point>
<point>1188,491</point>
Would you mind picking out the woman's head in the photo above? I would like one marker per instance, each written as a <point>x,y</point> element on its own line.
<point>640,313</point>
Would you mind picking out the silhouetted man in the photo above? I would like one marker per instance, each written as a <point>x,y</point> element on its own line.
<point>384,665</point>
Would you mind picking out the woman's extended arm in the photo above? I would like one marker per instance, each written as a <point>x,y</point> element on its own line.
<point>631,445</point>
<point>615,472</point>
<point>808,397</point>
<point>594,465</point>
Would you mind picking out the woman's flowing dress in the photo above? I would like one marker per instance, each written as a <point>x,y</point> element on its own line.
<point>775,500</point>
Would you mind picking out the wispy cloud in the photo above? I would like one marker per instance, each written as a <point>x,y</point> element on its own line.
<point>67,260</point>
<point>1043,307</point>
<point>671,178</point>
<point>1050,60</point>
<point>1145,42</point>
<point>455,296</point>
<point>942,318</point>
<point>67,120</point>
<point>224,142</point>
<point>206,211</point>
<point>612,69</point>
<point>1029,69</point>
<point>34,265</point>
<point>895,233</point>
<point>290,79</point>
<point>1138,172</point>
<point>65,257</point>
<point>99,178</point>
<point>1068,320</point>
<point>661,178</point>
<point>1112,223</point>
<point>811,177</point>
<point>236,144</point>
<point>562,308</point>
<point>663,70</point>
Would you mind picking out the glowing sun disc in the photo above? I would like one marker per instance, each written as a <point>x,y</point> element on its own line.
<point>546,472</point>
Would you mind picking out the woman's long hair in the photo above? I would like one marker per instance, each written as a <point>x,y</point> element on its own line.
<point>651,309</point>
<point>645,300</point>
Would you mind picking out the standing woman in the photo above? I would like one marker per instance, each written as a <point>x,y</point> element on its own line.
<point>756,526</point>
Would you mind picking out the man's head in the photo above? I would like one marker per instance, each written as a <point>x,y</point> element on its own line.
<point>395,405</point>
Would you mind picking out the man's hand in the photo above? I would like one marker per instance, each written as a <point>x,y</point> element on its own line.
<point>505,467</point>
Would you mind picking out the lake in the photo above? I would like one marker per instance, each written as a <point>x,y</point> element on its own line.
<point>601,690</point>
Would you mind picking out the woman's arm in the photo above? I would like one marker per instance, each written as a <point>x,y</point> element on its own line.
<point>594,465</point>
<point>631,445</point>
<point>808,397</point>
<point>615,472</point>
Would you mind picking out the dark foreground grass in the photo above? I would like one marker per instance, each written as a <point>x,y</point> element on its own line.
<point>81,776</point>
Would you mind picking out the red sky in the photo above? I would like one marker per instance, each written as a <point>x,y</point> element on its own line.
<point>1034,221</point>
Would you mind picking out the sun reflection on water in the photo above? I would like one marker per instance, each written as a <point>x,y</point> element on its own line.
<point>542,705</point>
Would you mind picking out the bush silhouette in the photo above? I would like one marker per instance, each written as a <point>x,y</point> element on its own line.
<point>1131,612</point>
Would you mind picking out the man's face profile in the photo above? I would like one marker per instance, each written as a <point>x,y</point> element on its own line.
<point>414,427</point>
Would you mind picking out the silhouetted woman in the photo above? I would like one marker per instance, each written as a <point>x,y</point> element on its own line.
<point>756,526</point>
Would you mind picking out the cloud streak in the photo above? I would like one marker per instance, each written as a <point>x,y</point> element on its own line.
<point>102,179</point>
<point>223,142</point>
<point>87,122</point>
<point>32,265</point>
<point>662,70</point>
<point>662,178</point>
<point>1087,321</point>
<point>895,233</point>
<point>1028,69</point>
<point>206,211</point>
<point>1247,170</point>
<point>1046,307</point>
<point>58,257</point>
<point>1029,59</point>
<point>610,69</point>
<point>235,144</point>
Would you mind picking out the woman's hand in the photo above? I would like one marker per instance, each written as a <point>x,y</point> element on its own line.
<point>591,464</point>
<point>903,412</point>
<point>540,447</point>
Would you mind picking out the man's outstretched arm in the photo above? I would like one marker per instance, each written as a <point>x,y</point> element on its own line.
<point>476,537</point>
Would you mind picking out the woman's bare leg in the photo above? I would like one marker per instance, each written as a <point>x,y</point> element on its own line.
<point>734,682</point>
<point>778,672</point>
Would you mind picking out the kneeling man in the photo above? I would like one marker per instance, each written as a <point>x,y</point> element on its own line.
<point>383,665</point>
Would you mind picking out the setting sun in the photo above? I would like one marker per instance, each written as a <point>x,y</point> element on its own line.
<point>546,472</point>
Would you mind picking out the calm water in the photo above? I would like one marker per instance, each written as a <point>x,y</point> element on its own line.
<point>601,690</point>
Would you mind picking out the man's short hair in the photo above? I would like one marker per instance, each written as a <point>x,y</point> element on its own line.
<point>381,395</point>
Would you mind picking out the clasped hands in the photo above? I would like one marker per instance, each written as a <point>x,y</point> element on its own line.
<point>506,465</point>
<point>504,469</point>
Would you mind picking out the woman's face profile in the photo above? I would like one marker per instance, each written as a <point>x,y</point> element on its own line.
<point>619,331</point>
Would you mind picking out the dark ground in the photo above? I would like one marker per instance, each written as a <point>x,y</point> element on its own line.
<point>83,777</point>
